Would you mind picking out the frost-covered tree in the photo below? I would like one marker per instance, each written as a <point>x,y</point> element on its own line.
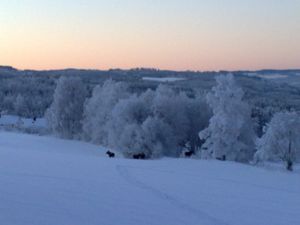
<point>198,114</point>
<point>124,127</point>
<point>158,137</point>
<point>171,108</point>
<point>98,109</point>
<point>184,115</point>
<point>20,105</point>
<point>230,133</point>
<point>65,114</point>
<point>281,139</point>
<point>157,123</point>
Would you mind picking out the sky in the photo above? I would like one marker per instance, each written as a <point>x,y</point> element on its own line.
<point>165,34</point>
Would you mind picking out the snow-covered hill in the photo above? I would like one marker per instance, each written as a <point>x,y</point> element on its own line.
<point>48,181</point>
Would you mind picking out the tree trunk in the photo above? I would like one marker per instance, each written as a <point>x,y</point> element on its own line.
<point>289,165</point>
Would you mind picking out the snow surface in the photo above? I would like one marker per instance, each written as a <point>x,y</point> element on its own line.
<point>49,181</point>
<point>268,76</point>
<point>10,120</point>
<point>163,79</point>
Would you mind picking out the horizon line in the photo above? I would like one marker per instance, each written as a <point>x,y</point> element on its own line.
<point>150,68</point>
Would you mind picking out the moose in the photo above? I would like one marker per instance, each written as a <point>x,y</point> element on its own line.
<point>110,154</point>
<point>139,156</point>
<point>222,158</point>
<point>189,153</point>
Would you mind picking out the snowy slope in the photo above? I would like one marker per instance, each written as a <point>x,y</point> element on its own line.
<point>47,181</point>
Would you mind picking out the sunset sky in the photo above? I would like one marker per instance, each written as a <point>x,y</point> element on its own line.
<point>165,34</point>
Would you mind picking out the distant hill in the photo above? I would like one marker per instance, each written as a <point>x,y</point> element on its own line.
<point>143,71</point>
<point>7,68</point>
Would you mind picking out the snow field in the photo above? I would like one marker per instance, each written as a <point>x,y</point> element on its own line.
<point>47,181</point>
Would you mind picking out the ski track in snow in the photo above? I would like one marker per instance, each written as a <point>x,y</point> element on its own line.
<point>202,216</point>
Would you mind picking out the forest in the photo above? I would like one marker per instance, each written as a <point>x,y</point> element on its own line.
<point>239,116</point>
